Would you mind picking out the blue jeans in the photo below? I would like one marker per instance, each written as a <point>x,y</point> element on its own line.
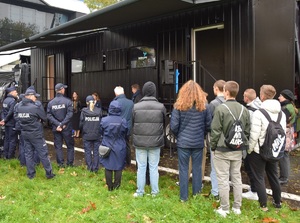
<point>213,176</point>
<point>183,164</point>
<point>153,156</point>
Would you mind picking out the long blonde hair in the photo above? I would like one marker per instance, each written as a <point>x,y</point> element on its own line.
<point>91,105</point>
<point>191,94</point>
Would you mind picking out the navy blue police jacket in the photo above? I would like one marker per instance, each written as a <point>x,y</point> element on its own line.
<point>16,110</point>
<point>60,111</point>
<point>90,123</point>
<point>30,116</point>
<point>8,110</point>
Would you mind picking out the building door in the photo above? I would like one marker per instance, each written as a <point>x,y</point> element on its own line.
<point>49,80</point>
<point>208,56</point>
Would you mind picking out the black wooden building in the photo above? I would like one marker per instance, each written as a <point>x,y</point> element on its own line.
<point>249,41</point>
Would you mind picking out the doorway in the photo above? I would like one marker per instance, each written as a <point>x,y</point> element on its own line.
<point>208,56</point>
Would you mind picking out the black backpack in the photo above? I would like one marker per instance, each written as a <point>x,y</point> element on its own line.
<point>235,138</point>
<point>273,147</point>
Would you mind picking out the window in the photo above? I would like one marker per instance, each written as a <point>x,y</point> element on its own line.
<point>78,65</point>
<point>142,56</point>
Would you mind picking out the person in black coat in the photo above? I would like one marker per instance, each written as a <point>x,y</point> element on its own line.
<point>76,114</point>
<point>137,94</point>
<point>113,129</point>
<point>90,124</point>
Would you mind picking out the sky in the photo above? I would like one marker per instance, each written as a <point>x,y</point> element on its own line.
<point>75,5</point>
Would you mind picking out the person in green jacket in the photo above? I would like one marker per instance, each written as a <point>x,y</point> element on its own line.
<point>227,161</point>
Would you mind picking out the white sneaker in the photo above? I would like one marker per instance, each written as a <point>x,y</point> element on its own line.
<point>250,195</point>
<point>221,212</point>
<point>236,211</point>
<point>137,195</point>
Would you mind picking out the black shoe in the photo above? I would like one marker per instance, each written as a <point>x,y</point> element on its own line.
<point>61,166</point>
<point>276,205</point>
<point>283,181</point>
<point>51,176</point>
<point>116,187</point>
<point>110,188</point>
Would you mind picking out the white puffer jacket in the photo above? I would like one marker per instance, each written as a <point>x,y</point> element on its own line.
<point>259,123</point>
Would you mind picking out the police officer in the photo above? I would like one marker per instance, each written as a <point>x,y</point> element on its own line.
<point>60,112</point>
<point>90,119</point>
<point>22,159</point>
<point>18,130</point>
<point>8,120</point>
<point>31,115</point>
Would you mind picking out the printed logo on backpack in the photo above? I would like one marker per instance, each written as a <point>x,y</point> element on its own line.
<point>274,145</point>
<point>236,139</point>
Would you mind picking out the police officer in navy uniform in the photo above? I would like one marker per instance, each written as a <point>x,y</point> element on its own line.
<point>31,115</point>
<point>22,159</point>
<point>8,120</point>
<point>18,130</point>
<point>90,119</point>
<point>60,112</point>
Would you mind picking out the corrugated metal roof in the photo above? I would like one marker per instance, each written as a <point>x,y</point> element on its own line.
<point>124,12</point>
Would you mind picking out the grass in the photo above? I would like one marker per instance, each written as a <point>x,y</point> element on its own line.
<point>76,195</point>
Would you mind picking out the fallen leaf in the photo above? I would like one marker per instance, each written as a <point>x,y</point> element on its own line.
<point>132,182</point>
<point>85,210</point>
<point>268,220</point>
<point>61,171</point>
<point>93,205</point>
<point>2,197</point>
<point>74,174</point>
<point>147,219</point>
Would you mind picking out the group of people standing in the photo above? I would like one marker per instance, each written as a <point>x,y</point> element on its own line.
<point>197,124</point>
<point>140,121</point>
<point>142,116</point>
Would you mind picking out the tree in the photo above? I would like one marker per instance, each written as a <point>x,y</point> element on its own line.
<point>99,4</point>
<point>11,31</point>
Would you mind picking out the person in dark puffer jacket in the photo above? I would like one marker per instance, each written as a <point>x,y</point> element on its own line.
<point>90,118</point>
<point>148,137</point>
<point>190,122</point>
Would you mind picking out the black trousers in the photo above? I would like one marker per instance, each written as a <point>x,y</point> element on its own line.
<point>249,173</point>
<point>113,178</point>
<point>258,167</point>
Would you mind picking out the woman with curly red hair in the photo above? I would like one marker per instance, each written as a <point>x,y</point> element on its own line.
<point>190,122</point>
